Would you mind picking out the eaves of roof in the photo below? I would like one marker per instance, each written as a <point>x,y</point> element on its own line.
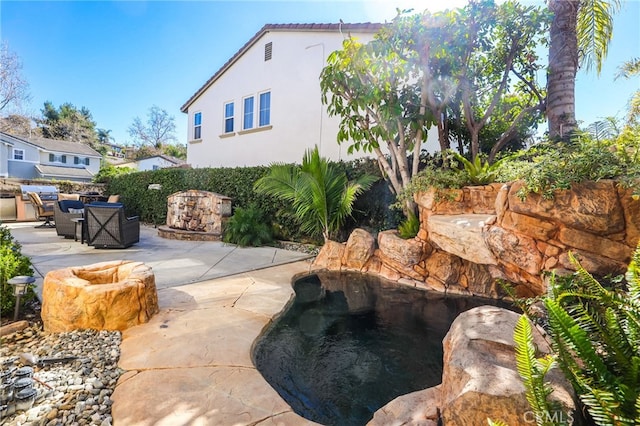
<point>366,27</point>
<point>63,172</point>
<point>54,145</point>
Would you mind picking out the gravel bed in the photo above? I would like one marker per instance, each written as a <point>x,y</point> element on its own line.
<point>76,392</point>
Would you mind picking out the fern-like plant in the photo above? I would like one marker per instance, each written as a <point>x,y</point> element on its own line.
<point>533,370</point>
<point>247,227</point>
<point>595,333</point>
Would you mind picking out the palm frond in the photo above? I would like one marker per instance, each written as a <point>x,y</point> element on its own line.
<point>595,30</point>
<point>629,69</point>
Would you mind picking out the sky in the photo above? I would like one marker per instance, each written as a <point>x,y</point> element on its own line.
<point>120,58</point>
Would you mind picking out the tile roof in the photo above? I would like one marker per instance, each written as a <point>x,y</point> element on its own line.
<point>63,172</point>
<point>54,145</point>
<point>367,27</point>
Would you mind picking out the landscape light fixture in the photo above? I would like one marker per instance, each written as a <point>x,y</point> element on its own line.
<point>20,285</point>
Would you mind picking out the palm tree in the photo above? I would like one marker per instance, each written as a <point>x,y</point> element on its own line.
<point>104,136</point>
<point>319,192</point>
<point>627,70</point>
<point>580,34</point>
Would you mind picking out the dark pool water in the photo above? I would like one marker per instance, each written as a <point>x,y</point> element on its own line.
<point>349,343</point>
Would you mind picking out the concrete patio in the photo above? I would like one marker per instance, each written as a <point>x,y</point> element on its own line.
<point>191,364</point>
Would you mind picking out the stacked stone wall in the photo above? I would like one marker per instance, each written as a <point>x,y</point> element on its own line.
<point>473,237</point>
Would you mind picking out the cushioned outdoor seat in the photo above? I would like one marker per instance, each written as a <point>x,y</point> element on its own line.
<point>107,226</point>
<point>42,210</point>
<point>64,212</point>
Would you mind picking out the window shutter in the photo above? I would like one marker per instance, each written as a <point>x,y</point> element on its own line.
<point>267,51</point>
<point>51,158</point>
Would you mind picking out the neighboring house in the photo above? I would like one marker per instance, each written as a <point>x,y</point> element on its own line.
<point>264,104</point>
<point>153,163</point>
<point>40,158</point>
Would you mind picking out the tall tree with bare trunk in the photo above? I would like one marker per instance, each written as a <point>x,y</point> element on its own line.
<point>580,34</point>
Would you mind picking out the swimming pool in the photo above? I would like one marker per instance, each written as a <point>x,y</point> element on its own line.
<point>349,343</point>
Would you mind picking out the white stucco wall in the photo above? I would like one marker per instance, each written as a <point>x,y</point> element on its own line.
<point>93,167</point>
<point>298,118</point>
<point>148,163</point>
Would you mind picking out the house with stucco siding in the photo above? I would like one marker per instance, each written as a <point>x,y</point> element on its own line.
<point>264,104</point>
<point>50,159</point>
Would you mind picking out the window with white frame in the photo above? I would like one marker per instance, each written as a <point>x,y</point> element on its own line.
<point>228,117</point>
<point>81,160</point>
<point>265,109</point>
<point>197,125</point>
<point>247,112</point>
<point>18,154</point>
<point>57,158</point>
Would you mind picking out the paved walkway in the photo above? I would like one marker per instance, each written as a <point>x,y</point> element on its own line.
<point>191,364</point>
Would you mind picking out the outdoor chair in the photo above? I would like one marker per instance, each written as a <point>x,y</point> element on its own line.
<point>107,226</point>
<point>43,211</point>
<point>62,196</point>
<point>64,212</point>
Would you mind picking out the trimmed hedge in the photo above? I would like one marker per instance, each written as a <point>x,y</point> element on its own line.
<point>372,208</point>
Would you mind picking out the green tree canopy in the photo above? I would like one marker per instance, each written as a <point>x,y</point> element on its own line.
<point>67,123</point>
<point>471,66</point>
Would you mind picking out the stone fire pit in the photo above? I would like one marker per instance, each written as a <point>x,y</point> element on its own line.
<point>104,296</point>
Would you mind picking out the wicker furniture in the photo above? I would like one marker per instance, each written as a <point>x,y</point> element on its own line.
<point>108,227</point>
<point>65,211</point>
<point>43,211</point>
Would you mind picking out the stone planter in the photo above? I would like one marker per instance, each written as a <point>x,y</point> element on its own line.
<point>103,296</point>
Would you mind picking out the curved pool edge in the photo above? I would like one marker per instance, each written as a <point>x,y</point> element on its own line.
<point>198,348</point>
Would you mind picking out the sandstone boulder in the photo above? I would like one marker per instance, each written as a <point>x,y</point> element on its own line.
<point>533,227</point>
<point>462,235</point>
<point>631,209</point>
<point>482,199</point>
<point>443,201</point>
<point>598,245</point>
<point>480,378</point>
<point>588,206</point>
<point>360,247</point>
<point>103,296</point>
<point>418,408</point>
<point>406,252</point>
<point>444,267</point>
<point>330,256</point>
<point>513,248</point>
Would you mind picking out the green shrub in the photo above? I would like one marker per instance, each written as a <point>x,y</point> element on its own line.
<point>370,210</point>
<point>247,227</point>
<point>319,191</point>
<point>12,263</point>
<point>548,167</point>
<point>109,171</point>
<point>409,227</point>
<point>478,172</point>
<point>594,330</point>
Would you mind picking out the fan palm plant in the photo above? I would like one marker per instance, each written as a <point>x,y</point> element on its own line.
<point>319,192</point>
